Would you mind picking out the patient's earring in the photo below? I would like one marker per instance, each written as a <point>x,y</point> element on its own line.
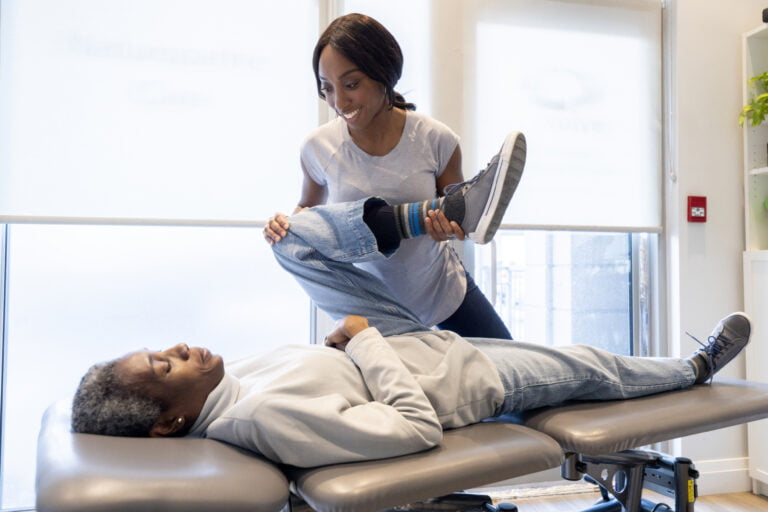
<point>179,420</point>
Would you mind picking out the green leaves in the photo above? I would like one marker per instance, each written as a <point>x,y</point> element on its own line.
<point>757,109</point>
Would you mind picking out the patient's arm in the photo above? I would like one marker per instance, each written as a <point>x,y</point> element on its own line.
<point>345,329</point>
<point>330,419</point>
<point>392,384</point>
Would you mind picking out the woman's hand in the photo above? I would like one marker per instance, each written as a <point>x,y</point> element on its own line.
<point>276,228</point>
<point>440,228</point>
<point>345,329</point>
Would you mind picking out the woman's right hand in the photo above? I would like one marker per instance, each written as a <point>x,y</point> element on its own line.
<point>276,228</point>
<point>312,194</point>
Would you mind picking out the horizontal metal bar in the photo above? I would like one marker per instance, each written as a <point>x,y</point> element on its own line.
<point>126,221</point>
<point>565,227</point>
<point>123,221</point>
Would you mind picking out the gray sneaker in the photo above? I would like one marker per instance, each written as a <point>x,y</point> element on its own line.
<point>724,343</point>
<point>478,205</point>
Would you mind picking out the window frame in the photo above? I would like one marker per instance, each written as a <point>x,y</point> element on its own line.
<point>320,323</point>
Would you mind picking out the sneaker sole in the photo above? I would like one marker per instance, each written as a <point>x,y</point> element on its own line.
<point>511,162</point>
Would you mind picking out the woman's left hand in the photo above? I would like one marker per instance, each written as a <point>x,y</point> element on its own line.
<point>441,229</point>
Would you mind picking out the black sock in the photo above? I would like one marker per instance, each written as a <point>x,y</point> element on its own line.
<point>410,216</point>
<point>380,219</point>
<point>700,367</point>
<point>390,224</point>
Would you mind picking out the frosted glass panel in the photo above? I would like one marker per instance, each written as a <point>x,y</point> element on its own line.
<point>82,294</point>
<point>154,108</point>
<point>583,83</point>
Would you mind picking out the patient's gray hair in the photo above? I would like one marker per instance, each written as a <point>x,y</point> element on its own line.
<point>104,405</point>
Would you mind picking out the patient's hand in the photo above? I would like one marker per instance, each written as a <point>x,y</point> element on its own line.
<point>345,329</point>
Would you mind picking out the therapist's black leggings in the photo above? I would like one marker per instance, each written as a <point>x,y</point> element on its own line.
<point>476,317</point>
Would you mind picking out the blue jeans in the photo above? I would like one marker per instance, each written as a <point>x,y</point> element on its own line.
<point>537,375</point>
<point>320,250</point>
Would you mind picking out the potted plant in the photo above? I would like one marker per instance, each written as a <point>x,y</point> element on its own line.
<point>756,110</point>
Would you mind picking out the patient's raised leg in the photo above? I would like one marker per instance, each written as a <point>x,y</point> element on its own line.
<point>320,250</point>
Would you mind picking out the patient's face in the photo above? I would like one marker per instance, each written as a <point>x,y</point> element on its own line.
<point>181,377</point>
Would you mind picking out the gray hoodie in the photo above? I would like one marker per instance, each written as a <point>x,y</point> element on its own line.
<point>309,405</point>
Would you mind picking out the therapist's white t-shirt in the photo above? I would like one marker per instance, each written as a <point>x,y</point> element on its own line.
<point>425,276</point>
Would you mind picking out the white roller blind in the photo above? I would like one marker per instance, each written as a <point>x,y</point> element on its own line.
<point>413,33</point>
<point>582,79</point>
<point>154,108</point>
<point>169,109</point>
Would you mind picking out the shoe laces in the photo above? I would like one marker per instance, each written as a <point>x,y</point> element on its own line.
<point>711,350</point>
<point>453,187</point>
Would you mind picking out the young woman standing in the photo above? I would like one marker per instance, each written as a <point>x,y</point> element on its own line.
<point>379,146</point>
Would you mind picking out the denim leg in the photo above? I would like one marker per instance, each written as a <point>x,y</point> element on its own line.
<point>536,375</point>
<point>320,250</point>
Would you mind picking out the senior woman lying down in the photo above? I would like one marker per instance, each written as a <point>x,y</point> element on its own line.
<point>384,385</point>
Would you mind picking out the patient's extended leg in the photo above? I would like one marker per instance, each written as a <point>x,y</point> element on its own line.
<point>535,375</point>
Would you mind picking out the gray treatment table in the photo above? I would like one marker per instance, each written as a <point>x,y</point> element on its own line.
<point>89,473</point>
<point>593,440</point>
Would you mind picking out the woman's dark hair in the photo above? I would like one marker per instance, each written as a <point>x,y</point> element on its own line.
<point>104,405</point>
<point>371,47</point>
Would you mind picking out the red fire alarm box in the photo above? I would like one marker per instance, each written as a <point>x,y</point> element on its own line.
<point>697,209</point>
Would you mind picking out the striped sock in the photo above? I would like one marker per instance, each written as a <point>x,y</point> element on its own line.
<point>410,217</point>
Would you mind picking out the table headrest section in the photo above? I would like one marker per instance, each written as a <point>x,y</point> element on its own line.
<point>596,428</point>
<point>468,457</point>
<point>83,473</point>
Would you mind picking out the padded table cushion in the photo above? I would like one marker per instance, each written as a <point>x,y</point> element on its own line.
<point>82,472</point>
<point>596,428</point>
<point>468,457</point>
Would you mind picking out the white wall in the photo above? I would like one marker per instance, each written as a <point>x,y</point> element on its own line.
<point>704,273</point>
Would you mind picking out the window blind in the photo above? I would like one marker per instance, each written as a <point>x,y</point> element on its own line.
<point>154,108</point>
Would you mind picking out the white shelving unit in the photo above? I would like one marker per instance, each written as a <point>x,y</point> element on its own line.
<point>755,52</point>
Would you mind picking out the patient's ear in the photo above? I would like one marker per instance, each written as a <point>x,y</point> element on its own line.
<point>167,425</point>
